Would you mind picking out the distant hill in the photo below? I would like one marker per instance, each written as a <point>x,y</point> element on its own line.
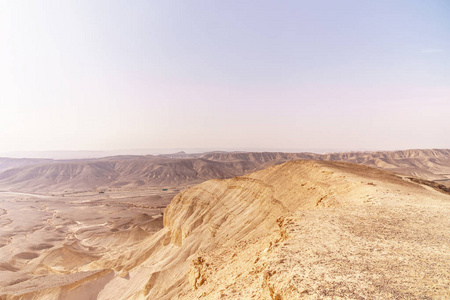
<point>117,172</point>
<point>7,163</point>
<point>179,169</point>
<point>431,164</point>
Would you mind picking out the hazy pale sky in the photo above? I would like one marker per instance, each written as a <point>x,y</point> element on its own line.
<point>102,75</point>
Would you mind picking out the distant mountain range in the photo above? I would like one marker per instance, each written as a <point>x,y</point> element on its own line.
<point>87,154</point>
<point>181,169</point>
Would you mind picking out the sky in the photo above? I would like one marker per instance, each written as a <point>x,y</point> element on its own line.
<point>224,75</point>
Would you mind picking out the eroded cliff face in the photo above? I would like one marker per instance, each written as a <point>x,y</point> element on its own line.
<point>247,206</point>
<point>304,229</point>
<point>315,229</point>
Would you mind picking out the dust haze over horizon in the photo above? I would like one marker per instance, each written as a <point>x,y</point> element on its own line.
<point>106,75</point>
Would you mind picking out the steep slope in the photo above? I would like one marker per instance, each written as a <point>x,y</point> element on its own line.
<point>304,229</point>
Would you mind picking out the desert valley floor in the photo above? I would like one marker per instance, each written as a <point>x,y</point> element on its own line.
<point>42,234</point>
<point>221,225</point>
